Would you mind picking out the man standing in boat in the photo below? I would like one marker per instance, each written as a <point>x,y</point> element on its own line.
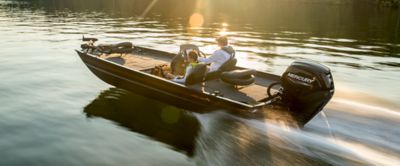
<point>220,56</point>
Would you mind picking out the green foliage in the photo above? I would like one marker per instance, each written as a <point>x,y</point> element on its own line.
<point>390,3</point>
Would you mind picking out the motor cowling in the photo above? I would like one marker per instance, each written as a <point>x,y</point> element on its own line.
<point>307,88</point>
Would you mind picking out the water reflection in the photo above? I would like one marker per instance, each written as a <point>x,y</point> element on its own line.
<point>267,35</point>
<point>157,120</point>
<point>216,138</point>
<point>293,18</point>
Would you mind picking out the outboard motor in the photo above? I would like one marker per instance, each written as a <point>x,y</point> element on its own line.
<point>307,88</point>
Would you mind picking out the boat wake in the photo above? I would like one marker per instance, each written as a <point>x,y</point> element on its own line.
<point>336,137</point>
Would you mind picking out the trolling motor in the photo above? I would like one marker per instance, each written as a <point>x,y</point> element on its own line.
<point>89,45</point>
<point>89,39</point>
<point>306,87</point>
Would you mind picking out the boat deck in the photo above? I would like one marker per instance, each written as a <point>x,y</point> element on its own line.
<point>136,61</point>
<point>248,94</point>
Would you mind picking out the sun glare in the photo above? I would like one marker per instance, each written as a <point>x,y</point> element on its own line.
<point>196,20</point>
<point>148,8</point>
<point>223,32</point>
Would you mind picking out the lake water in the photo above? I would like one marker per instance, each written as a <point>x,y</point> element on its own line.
<point>54,111</point>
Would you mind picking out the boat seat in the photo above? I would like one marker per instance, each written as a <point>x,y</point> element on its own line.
<point>227,66</point>
<point>239,77</point>
<point>197,75</point>
<point>178,62</point>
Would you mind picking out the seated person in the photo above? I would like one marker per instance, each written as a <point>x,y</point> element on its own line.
<point>192,60</point>
<point>219,57</point>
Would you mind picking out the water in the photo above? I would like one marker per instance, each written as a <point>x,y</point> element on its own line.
<point>54,111</point>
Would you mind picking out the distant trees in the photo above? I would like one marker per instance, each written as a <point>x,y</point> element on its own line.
<point>389,3</point>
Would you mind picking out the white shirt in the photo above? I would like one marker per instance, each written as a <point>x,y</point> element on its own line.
<point>218,58</point>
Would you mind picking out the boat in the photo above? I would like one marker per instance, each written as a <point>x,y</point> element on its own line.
<point>299,94</point>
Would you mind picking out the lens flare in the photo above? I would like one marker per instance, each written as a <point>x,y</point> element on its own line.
<point>196,20</point>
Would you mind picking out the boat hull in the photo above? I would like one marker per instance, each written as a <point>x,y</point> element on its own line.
<point>154,87</point>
